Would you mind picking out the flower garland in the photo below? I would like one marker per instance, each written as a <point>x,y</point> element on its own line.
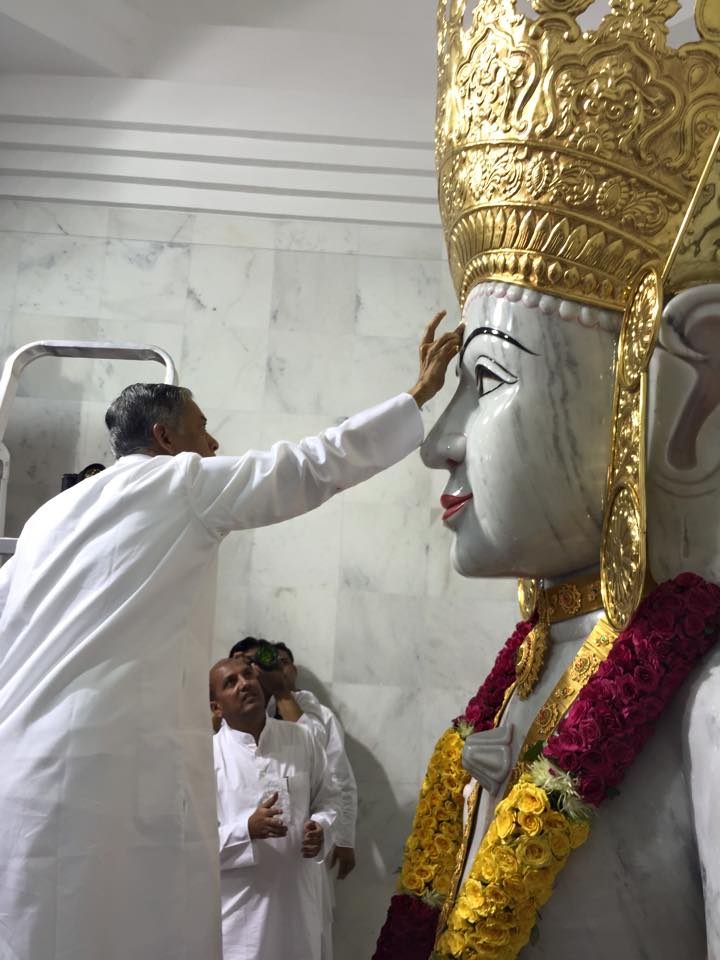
<point>432,847</point>
<point>547,813</point>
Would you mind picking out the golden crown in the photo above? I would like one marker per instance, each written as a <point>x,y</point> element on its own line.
<point>567,159</point>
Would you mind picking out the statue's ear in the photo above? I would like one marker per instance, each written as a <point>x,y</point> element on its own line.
<point>690,334</point>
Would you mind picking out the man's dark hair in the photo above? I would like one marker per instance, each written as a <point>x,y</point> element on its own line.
<point>242,646</point>
<point>283,646</point>
<point>131,416</point>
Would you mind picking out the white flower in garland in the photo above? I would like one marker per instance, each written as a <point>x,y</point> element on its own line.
<point>561,788</point>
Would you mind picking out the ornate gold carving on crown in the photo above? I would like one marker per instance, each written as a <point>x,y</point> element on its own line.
<point>565,159</point>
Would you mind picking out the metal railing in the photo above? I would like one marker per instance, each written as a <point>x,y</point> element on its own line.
<point>87,349</point>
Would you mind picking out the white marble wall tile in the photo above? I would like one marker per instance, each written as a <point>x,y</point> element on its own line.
<point>316,237</point>
<point>469,633</point>
<point>10,246</point>
<point>230,285</point>
<point>59,379</point>
<point>380,722</point>
<point>293,427</point>
<point>397,298</point>
<point>384,548</point>
<point>60,276</point>
<point>5,327</point>
<point>416,243</point>
<point>378,639</point>
<point>66,219</point>
<point>313,292</point>
<point>382,367</point>
<point>236,432</point>
<point>12,214</point>
<point>165,226</point>
<point>308,373</point>
<point>111,376</point>
<point>231,608</point>
<point>145,280</point>
<point>362,899</point>
<point>225,364</point>
<point>234,231</point>
<point>407,484</point>
<point>94,446</point>
<point>304,619</point>
<point>303,552</point>
<point>43,442</point>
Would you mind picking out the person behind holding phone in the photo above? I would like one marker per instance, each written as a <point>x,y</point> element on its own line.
<point>278,678</point>
<point>276,809</point>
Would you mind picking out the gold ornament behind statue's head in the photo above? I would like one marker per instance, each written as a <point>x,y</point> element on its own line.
<point>566,160</point>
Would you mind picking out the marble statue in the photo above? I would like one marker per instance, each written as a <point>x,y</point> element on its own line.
<point>636,888</point>
<point>579,179</point>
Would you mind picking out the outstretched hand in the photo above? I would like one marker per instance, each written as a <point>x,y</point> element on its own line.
<point>435,356</point>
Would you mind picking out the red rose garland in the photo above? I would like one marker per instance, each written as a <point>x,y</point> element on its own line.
<point>615,713</point>
<point>595,743</point>
<point>482,709</point>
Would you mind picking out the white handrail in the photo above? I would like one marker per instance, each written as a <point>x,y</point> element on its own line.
<point>95,350</point>
<point>90,349</point>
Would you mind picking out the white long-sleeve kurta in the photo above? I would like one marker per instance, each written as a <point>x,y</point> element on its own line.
<point>271,895</point>
<point>326,727</point>
<point>108,836</point>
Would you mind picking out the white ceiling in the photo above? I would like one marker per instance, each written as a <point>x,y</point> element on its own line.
<point>295,108</point>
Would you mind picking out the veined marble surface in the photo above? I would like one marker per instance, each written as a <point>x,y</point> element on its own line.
<point>280,328</point>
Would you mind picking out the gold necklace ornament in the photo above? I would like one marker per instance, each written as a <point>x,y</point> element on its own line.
<point>572,598</point>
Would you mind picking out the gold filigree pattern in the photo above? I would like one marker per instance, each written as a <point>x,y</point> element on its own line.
<point>586,661</point>
<point>531,658</point>
<point>571,598</point>
<point>565,159</point>
<point>639,331</point>
<point>623,565</point>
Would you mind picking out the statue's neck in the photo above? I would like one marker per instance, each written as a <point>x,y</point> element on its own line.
<point>576,629</point>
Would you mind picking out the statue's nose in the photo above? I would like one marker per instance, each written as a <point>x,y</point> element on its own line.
<point>442,450</point>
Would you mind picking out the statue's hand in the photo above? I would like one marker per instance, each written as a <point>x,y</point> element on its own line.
<point>486,756</point>
<point>435,355</point>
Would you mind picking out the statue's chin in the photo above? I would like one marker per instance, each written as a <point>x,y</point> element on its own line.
<point>467,564</point>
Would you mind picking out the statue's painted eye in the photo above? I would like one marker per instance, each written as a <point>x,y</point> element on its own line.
<point>489,375</point>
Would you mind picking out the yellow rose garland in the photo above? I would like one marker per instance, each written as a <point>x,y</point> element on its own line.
<point>523,851</point>
<point>434,842</point>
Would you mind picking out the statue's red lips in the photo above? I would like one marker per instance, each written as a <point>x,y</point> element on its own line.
<point>453,504</point>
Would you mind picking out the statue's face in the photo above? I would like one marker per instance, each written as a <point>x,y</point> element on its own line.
<point>525,438</point>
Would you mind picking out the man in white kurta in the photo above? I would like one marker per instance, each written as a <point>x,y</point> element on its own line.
<point>303,707</point>
<point>271,897</point>
<point>108,839</point>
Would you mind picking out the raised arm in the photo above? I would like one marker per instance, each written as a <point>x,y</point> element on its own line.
<point>264,487</point>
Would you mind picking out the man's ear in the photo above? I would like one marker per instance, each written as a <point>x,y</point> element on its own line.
<point>163,439</point>
<point>216,710</point>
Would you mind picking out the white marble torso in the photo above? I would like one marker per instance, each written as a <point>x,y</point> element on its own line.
<point>634,890</point>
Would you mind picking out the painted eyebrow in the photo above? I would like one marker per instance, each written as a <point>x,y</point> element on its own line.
<point>493,332</point>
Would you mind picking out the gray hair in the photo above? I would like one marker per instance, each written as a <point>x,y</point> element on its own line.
<point>131,416</point>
